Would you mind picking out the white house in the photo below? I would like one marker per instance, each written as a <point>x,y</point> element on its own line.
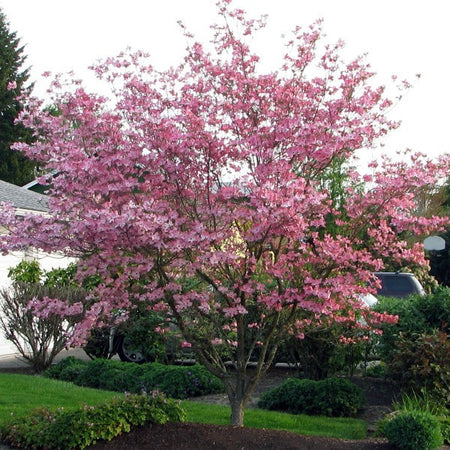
<point>25,201</point>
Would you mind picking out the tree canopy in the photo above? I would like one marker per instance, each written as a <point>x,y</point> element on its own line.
<point>440,259</point>
<point>200,191</point>
<point>15,167</point>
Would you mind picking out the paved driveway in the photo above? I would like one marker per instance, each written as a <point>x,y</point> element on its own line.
<point>14,360</point>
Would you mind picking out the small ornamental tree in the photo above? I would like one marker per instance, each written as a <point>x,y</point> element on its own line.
<point>201,191</point>
<point>38,316</point>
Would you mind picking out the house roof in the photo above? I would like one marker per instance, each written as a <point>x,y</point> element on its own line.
<point>22,198</point>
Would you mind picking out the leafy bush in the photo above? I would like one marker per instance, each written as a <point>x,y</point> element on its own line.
<point>84,426</point>
<point>413,430</point>
<point>321,353</point>
<point>416,315</point>
<point>417,349</point>
<point>422,362</point>
<point>335,397</point>
<point>97,345</point>
<point>175,381</point>
<point>26,272</point>
<point>444,422</point>
<point>379,370</point>
<point>184,382</point>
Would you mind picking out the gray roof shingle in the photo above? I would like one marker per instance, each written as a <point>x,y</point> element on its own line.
<point>22,198</point>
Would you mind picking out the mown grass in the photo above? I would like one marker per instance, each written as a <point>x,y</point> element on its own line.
<point>342,428</point>
<point>19,394</point>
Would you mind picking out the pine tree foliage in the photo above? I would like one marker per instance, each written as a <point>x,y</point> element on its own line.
<point>14,166</point>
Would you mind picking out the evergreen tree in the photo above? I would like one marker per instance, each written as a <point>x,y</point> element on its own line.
<point>440,260</point>
<point>14,166</point>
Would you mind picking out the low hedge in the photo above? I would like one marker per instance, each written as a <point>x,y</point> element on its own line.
<point>178,382</point>
<point>335,397</point>
<point>82,427</point>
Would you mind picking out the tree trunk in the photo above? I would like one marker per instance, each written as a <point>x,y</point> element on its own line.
<point>237,412</point>
<point>239,389</point>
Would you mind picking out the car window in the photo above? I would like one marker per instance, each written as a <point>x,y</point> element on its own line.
<point>397,284</point>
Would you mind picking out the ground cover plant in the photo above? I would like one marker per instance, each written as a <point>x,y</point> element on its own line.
<point>226,195</point>
<point>174,381</point>
<point>80,427</point>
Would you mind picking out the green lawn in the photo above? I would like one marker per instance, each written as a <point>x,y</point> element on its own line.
<point>342,428</point>
<point>21,393</point>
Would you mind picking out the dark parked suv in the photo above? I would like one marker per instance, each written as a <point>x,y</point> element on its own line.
<point>397,284</point>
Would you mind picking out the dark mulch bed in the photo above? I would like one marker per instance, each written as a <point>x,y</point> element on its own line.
<point>194,436</point>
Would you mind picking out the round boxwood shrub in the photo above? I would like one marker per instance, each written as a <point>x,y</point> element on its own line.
<point>413,430</point>
<point>336,397</point>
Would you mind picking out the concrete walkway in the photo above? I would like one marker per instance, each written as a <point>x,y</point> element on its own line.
<point>15,361</point>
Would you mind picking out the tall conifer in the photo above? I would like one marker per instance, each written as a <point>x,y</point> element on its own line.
<point>14,166</point>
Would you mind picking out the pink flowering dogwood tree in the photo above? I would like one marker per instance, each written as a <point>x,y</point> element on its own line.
<point>202,191</point>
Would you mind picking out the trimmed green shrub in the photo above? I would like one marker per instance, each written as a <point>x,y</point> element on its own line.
<point>175,381</point>
<point>84,426</point>
<point>68,369</point>
<point>420,402</point>
<point>182,382</point>
<point>336,397</point>
<point>413,430</point>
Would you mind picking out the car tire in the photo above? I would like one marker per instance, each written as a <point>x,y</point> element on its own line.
<point>129,352</point>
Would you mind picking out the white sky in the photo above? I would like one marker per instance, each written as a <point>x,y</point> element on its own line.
<point>402,37</point>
